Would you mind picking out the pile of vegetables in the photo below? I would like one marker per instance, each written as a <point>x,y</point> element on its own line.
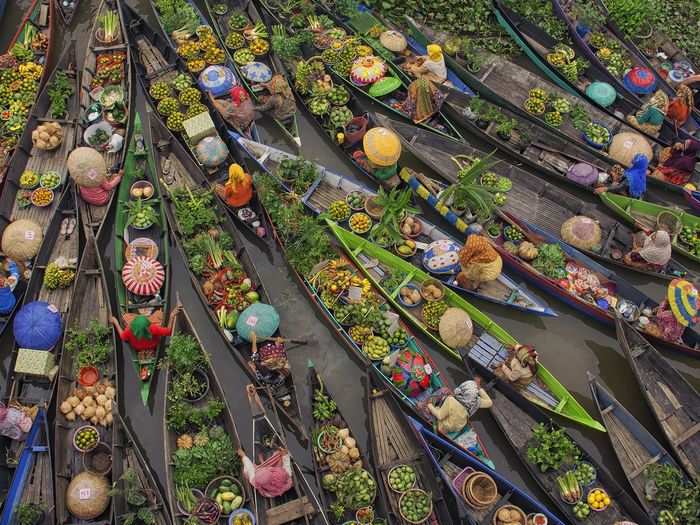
<point>299,173</point>
<point>550,448</point>
<point>141,214</point>
<point>109,69</point>
<point>690,237</point>
<point>57,276</point>
<point>569,487</point>
<point>551,261</point>
<point>90,347</point>
<point>177,100</point>
<point>198,47</point>
<point>416,505</point>
<point>672,492</point>
<point>93,404</point>
<point>60,90</point>
<point>177,16</point>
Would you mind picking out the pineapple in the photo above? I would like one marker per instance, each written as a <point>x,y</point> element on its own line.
<point>201,439</point>
<point>184,441</point>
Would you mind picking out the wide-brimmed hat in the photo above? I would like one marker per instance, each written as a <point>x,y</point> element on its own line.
<point>683,299</point>
<point>382,146</point>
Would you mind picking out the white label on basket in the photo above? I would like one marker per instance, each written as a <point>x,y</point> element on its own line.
<point>84,494</point>
<point>428,369</point>
<point>252,321</point>
<point>355,294</point>
<point>29,235</point>
<point>628,144</point>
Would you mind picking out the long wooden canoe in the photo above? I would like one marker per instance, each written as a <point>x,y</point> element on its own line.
<point>636,448</point>
<point>644,215</point>
<point>180,173</point>
<point>90,309</point>
<point>299,504</point>
<point>131,471</point>
<point>329,187</point>
<point>454,466</point>
<point>156,61</point>
<point>488,338</point>
<point>671,398</point>
<point>517,420</point>
<point>530,199</point>
<point>393,445</point>
<point>185,332</point>
<point>140,165</point>
<point>96,52</point>
<point>67,11</point>
<point>248,9</point>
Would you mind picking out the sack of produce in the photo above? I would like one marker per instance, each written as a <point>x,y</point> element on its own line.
<point>260,318</point>
<point>211,151</point>
<point>87,167</point>
<point>87,496</point>
<point>21,240</point>
<point>625,146</point>
<point>47,136</point>
<point>37,326</point>
<point>393,41</point>
<point>455,328</point>
<point>581,232</point>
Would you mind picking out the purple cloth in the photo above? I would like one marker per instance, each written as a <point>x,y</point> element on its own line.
<point>685,159</point>
<point>583,173</point>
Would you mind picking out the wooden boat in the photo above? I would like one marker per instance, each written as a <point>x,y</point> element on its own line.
<point>32,483</point>
<point>330,187</point>
<point>439,124</point>
<point>690,343</point>
<point>490,342</point>
<point>317,390</point>
<point>536,42</point>
<point>530,198</point>
<point>248,9</point>
<point>454,467</point>
<point>87,327</point>
<point>517,420</point>
<point>392,445</point>
<point>299,504</point>
<point>38,19</point>
<point>151,300</point>
<point>671,398</point>
<point>692,199</point>
<point>252,130</point>
<point>636,448</point>
<point>132,473</point>
<point>179,173</point>
<point>647,216</point>
<point>67,11</point>
<point>115,53</point>
<point>181,438</point>
<point>155,61</point>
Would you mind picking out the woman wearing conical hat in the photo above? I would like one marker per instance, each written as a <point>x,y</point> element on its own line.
<point>678,311</point>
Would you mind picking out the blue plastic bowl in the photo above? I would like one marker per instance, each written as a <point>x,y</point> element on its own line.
<point>412,287</point>
<point>595,144</point>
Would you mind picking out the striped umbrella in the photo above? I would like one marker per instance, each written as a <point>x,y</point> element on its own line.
<point>143,275</point>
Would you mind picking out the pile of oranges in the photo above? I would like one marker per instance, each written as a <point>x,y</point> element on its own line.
<point>598,499</point>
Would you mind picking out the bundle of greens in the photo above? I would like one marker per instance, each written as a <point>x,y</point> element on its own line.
<point>177,16</point>
<point>551,261</point>
<point>199,248</point>
<point>60,90</point>
<point>90,347</point>
<point>194,210</point>
<point>212,455</point>
<point>549,448</point>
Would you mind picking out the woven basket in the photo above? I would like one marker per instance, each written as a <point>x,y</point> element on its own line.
<point>523,516</point>
<point>670,222</point>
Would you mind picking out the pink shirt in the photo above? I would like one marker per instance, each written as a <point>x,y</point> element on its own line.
<point>99,195</point>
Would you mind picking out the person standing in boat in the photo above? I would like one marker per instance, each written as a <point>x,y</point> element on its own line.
<point>651,252</point>
<point>479,262</point>
<point>676,164</point>
<point>520,368</point>
<point>431,66</point>
<point>677,312</point>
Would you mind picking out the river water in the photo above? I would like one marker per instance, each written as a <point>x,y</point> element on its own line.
<point>569,345</point>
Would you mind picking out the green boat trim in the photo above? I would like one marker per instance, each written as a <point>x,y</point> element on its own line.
<point>567,406</point>
<point>131,171</point>
<point>290,128</point>
<point>643,214</point>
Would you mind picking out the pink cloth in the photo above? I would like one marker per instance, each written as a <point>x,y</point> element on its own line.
<point>271,478</point>
<point>671,328</point>
<point>99,196</point>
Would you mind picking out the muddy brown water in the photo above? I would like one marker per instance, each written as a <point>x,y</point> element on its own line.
<point>569,345</point>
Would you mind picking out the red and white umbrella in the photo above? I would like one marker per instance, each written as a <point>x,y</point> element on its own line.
<point>143,275</point>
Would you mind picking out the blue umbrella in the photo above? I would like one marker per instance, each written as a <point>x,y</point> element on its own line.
<point>257,72</point>
<point>37,326</point>
<point>217,79</point>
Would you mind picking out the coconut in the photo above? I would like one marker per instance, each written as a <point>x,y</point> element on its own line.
<point>87,167</point>
<point>87,496</point>
<point>455,328</point>
<point>21,239</point>
<point>582,232</point>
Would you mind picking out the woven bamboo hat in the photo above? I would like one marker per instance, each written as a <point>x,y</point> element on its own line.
<point>382,146</point>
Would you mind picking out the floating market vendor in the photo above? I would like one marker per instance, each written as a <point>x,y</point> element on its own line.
<point>520,367</point>
<point>7,286</point>
<point>273,476</point>
<point>280,102</point>
<point>479,262</point>
<point>381,150</point>
<point>239,111</point>
<point>270,360</point>
<point>650,117</point>
<point>144,334</point>
<point>423,101</point>
<point>88,169</point>
<point>431,66</point>
<point>678,311</point>
<point>676,164</point>
<point>238,190</point>
<point>650,252</point>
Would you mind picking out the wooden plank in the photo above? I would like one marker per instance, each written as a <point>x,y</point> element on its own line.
<point>685,436</point>
<point>289,511</point>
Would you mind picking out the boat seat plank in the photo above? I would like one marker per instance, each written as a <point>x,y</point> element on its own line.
<point>289,511</point>
<point>685,436</point>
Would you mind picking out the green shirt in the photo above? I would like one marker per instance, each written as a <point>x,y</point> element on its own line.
<point>385,173</point>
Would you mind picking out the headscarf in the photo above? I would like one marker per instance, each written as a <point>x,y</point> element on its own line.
<point>476,250</point>
<point>527,356</point>
<point>238,95</point>
<point>636,175</point>
<point>657,248</point>
<point>236,176</point>
<point>468,395</point>
<point>434,52</point>
<point>278,86</point>
<point>141,327</point>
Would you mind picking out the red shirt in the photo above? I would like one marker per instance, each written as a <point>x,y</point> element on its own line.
<point>145,344</point>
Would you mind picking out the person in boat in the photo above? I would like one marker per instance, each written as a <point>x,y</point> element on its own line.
<point>423,101</point>
<point>270,360</point>
<point>144,334</point>
<point>272,477</point>
<point>7,287</point>
<point>479,262</point>
<point>431,66</point>
<point>238,190</point>
<point>676,164</point>
<point>101,195</point>
<point>631,180</point>
<point>520,367</point>
<point>681,106</point>
<point>280,102</point>
<point>650,117</point>
<point>650,252</point>
<point>409,372</point>
<point>239,111</point>
<point>453,415</point>
<point>380,153</point>
<point>676,312</point>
